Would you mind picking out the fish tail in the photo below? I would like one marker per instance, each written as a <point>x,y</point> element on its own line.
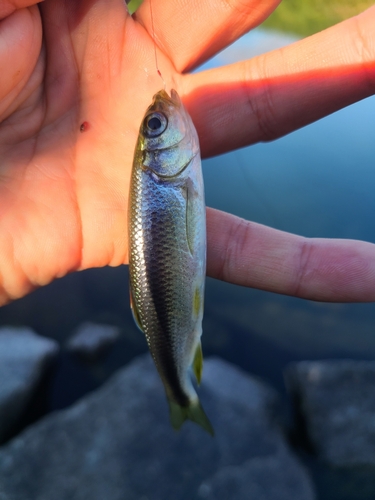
<point>193,412</point>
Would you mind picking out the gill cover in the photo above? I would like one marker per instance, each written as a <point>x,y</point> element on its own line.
<point>167,145</point>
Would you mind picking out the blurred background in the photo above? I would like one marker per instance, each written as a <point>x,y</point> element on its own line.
<point>318,181</point>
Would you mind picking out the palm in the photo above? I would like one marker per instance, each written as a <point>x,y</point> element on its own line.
<point>63,193</point>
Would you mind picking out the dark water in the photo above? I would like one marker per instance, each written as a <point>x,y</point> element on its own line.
<point>318,181</point>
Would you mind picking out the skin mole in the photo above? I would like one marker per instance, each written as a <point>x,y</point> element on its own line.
<point>84,126</point>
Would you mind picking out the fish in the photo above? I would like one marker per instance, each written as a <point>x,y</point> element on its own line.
<point>167,251</point>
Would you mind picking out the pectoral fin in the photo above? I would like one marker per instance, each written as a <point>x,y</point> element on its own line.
<point>198,363</point>
<point>191,216</point>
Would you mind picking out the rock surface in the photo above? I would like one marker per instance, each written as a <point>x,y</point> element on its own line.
<point>117,443</point>
<point>336,402</point>
<point>24,356</point>
<point>275,477</point>
<point>91,340</point>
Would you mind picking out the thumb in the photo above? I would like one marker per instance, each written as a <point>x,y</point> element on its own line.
<point>20,44</point>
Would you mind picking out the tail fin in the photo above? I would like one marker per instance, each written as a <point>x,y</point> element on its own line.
<point>193,412</point>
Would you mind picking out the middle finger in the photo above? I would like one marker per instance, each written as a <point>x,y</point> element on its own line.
<point>271,95</point>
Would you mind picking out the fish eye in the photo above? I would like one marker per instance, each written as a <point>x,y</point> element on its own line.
<point>154,124</point>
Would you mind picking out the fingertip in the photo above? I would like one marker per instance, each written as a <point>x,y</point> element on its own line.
<point>7,7</point>
<point>20,44</point>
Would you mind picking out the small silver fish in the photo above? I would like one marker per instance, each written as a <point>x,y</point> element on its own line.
<point>167,240</point>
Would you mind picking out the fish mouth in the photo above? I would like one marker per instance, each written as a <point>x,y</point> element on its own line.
<point>162,96</point>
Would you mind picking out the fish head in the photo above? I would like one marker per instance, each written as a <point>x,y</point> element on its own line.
<point>168,139</point>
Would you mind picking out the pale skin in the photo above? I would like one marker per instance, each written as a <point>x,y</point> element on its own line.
<point>63,192</point>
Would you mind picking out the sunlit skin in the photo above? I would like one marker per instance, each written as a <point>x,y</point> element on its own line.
<point>76,78</point>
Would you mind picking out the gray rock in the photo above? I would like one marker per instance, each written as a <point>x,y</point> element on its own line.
<point>24,356</point>
<point>276,477</point>
<point>117,443</point>
<point>336,402</point>
<point>91,340</point>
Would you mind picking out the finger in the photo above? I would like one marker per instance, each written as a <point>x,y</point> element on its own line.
<point>249,254</point>
<point>281,91</point>
<point>20,43</point>
<point>190,32</point>
<point>82,36</point>
<point>88,80</point>
<point>7,7</point>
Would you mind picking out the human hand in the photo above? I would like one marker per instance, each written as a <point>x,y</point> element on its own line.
<point>63,193</point>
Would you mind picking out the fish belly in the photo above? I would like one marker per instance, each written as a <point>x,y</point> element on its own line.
<point>167,272</point>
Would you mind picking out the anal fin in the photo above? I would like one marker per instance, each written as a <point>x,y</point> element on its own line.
<point>198,363</point>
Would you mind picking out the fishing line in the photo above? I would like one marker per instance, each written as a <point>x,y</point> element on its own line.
<point>155,52</point>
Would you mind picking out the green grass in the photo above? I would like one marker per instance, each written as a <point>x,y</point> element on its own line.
<point>305,17</point>
<point>133,5</point>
